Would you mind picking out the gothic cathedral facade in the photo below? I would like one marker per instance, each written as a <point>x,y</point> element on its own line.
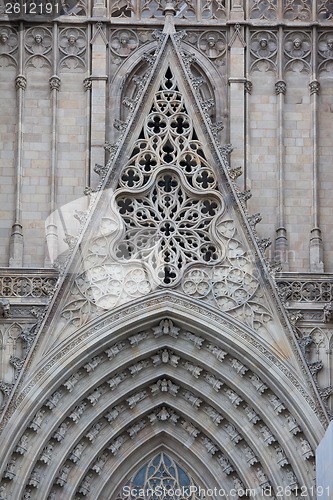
<point>166,278</point>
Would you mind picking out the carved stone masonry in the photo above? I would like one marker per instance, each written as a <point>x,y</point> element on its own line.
<point>276,403</point>
<point>22,445</point>
<point>37,421</point>
<point>213,381</point>
<point>164,386</point>
<point>166,327</point>
<point>213,414</point>
<point>248,87</point>
<point>218,353</point>
<point>72,381</point>
<point>267,435</point>
<point>55,83</point>
<point>75,456</point>
<point>226,466</point>
<point>93,432</point>
<point>306,449</point>
<point>93,363</point>
<point>238,367</point>
<point>136,398</point>
<point>85,485</point>
<point>251,415</point>
<point>10,469</point>
<point>166,357</point>
<point>46,454</point>
<point>63,475</point>
<point>54,400</point>
<point>192,399</point>
<point>314,87</point>
<point>78,411</point>
<point>100,463</point>
<point>4,308</point>
<point>258,384</point>
<point>280,87</point>
<point>117,444</point>
<point>210,446</point>
<point>61,432</point>
<point>87,83</point>
<point>21,82</point>
<point>281,458</point>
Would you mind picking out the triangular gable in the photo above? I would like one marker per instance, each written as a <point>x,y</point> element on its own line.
<point>169,218</point>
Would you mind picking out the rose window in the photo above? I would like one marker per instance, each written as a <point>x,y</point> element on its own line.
<point>168,199</point>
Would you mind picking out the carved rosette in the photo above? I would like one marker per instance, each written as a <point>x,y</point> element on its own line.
<point>263,49</point>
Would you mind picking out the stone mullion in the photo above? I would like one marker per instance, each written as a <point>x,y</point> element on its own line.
<point>248,91</point>
<point>87,83</point>
<point>281,241</point>
<point>236,97</point>
<point>16,238</point>
<point>316,242</point>
<point>51,228</point>
<point>98,97</point>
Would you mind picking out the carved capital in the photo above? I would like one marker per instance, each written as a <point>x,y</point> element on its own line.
<point>314,87</point>
<point>248,87</point>
<point>280,87</point>
<point>55,83</point>
<point>21,82</point>
<point>87,83</point>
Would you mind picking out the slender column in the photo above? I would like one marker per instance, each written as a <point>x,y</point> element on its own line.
<point>236,96</point>
<point>248,92</point>
<point>98,97</point>
<point>51,228</point>
<point>316,242</point>
<point>87,84</point>
<point>16,238</point>
<point>281,241</point>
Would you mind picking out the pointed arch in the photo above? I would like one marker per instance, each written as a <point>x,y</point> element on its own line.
<point>223,386</point>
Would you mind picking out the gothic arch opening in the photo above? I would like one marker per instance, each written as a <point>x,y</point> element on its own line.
<point>165,379</point>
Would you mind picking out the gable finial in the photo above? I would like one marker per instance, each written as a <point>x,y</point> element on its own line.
<point>169,14</point>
